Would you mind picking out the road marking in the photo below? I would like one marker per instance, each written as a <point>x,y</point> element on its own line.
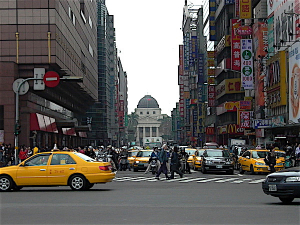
<point>208,180</point>
<point>240,181</point>
<point>186,181</point>
<point>256,181</point>
<point>226,180</point>
<point>176,179</point>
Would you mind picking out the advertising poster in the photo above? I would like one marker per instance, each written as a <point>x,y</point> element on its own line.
<point>247,64</point>
<point>294,82</point>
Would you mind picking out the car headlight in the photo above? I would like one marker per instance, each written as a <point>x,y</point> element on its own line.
<point>228,162</point>
<point>259,164</point>
<point>209,162</point>
<point>137,161</point>
<point>292,179</point>
<point>198,161</point>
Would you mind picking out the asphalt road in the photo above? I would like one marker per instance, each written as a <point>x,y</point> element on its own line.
<point>137,198</point>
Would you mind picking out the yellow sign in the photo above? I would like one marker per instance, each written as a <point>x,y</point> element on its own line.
<point>230,105</point>
<point>245,9</point>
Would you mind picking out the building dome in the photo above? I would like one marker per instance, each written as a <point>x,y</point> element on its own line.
<point>148,102</point>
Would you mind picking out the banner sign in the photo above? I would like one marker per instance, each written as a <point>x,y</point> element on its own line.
<point>262,123</point>
<point>212,20</point>
<point>235,45</point>
<point>294,82</point>
<point>247,64</point>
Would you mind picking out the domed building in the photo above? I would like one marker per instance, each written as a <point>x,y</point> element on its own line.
<point>149,115</point>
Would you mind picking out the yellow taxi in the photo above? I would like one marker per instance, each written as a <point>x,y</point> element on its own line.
<point>191,153</point>
<point>141,160</point>
<point>253,161</point>
<point>131,156</point>
<point>197,159</point>
<point>56,168</point>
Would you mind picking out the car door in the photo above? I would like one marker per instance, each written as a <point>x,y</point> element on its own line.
<point>244,160</point>
<point>60,168</point>
<point>33,171</point>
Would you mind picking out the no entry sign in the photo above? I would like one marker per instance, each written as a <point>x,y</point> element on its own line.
<point>51,79</point>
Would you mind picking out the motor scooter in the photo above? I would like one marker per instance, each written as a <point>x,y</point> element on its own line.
<point>123,163</point>
<point>153,165</point>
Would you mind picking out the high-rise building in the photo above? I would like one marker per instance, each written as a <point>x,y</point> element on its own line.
<point>39,36</point>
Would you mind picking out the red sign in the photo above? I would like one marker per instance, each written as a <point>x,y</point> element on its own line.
<point>235,45</point>
<point>51,79</point>
<point>244,30</point>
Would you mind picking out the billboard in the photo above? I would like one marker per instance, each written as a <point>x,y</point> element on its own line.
<point>276,80</point>
<point>294,83</point>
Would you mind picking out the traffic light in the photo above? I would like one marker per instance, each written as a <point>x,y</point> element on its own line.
<point>17,129</point>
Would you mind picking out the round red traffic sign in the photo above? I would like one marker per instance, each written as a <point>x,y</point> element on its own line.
<point>51,79</point>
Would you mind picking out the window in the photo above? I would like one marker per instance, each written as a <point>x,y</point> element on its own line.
<point>38,160</point>
<point>148,113</point>
<point>154,112</point>
<point>62,159</point>
<point>141,113</point>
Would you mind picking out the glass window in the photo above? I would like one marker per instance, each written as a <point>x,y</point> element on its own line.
<point>62,159</point>
<point>38,160</point>
<point>154,112</point>
<point>84,157</point>
<point>258,154</point>
<point>141,113</point>
<point>212,153</point>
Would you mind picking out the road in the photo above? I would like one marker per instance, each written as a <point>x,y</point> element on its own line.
<point>138,198</point>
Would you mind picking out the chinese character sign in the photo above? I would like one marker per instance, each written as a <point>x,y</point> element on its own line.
<point>247,64</point>
<point>235,46</point>
<point>244,117</point>
<point>245,9</point>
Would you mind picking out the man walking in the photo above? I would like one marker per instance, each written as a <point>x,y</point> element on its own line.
<point>175,163</point>
<point>163,158</point>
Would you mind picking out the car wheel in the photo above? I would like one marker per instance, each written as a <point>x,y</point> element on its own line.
<point>241,170</point>
<point>203,170</point>
<point>78,182</point>
<point>252,170</point>
<point>6,183</point>
<point>90,185</point>
<point>286,200</point>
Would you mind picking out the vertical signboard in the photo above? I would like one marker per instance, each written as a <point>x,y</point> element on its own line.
<point>211,95</point>
<point>245,9</point>
<point>247,64</point>
<point>294,82</point>
<point>235,45</point>
<point>212,20</point>
<point>244,118</point>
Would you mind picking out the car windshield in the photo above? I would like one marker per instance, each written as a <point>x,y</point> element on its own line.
<point>132,153</point>
<point>219,153</point>
<point>144,154</point>
<point>259,154</point>
<point>190,151</point>
<point>85,157</point>
<point>280,154</point>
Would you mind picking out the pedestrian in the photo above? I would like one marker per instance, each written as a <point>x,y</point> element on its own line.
<point>23,154</point>
<point>271,159</point>
<point>163,158</point>
<point>175,163</point>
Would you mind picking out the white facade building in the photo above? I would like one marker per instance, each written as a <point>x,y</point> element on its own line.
<point>149,115</point>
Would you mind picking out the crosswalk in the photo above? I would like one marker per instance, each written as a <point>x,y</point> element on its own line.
<point>233,180</point>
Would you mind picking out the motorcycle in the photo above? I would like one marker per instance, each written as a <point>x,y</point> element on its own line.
<point>153,165</point>
<point>124,163</point>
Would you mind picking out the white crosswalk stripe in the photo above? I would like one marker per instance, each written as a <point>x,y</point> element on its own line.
<point>233,180</point>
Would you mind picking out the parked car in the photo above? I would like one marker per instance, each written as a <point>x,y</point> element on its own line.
<point>253,161</point>
<point>284,184</point>
<point>191,152</point>
<point>141,160</point>
<point>56,168</point>
<point>217,160</point>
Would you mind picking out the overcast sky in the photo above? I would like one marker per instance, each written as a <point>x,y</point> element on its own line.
<point>148,35</point>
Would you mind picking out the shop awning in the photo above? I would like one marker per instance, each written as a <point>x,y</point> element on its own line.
<point>43,123</point>
<point>69,131</point>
